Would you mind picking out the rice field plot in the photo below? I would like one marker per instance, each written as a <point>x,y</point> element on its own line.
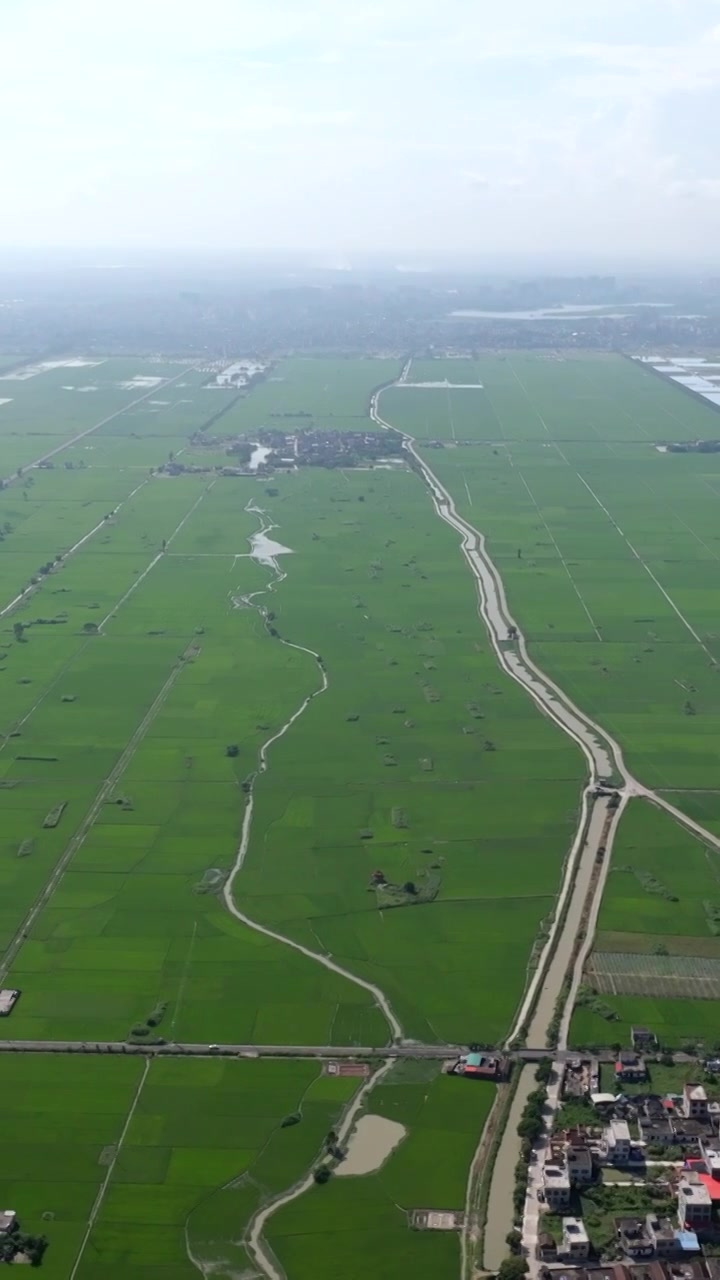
<point>63,1118</point>
<point>136,920</point>
<point>661,906</point>
<point>614,588</point>
<point>671,976</point>
<point>463,744</point>
<point>361,1222</point>
<point>458,372</point>
<point>205,1148</point>
<point>441,413</point>
<point>302,392</point>
<point>59,403</point>
<point>418,722</point>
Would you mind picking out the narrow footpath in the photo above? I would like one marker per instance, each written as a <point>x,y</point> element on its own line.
<point>248,601</point>
<point>584,874</point>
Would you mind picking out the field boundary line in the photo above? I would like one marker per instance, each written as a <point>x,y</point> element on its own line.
<point>111,1169</point>
<point>381,1001</point>
<point>81,648</point>
<point>80,835</point>
<point>30,466</point>
<point>159,556</point>
<point>561,557</point>
<point>647,568</point>
<point>60,560</point>
<point>257,1247</point>
<point>614,523</point>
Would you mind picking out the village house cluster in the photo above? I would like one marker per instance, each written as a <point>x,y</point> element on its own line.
<point>671,1140</point>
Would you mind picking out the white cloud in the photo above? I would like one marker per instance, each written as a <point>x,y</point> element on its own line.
<point>361,124</point>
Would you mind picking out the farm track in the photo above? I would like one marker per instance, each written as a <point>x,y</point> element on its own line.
<point>582,887</point>
<point>66,444</point>
<point>92,813</point>
<point>256,1246</point>
<point>28,591</point>
<point>378,996</point>
<point>100,1197</point>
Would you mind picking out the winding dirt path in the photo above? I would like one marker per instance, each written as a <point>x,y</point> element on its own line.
<point>581,889</point>
<point>254,1243</point>
<point>379,996</point>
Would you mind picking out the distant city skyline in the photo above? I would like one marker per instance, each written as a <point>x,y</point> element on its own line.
<point>336,129</point>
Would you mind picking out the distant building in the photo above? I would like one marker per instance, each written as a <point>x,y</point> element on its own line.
<point>643,1039</point>
<point>668,1241</point>
<point>480,1066</point>
<point>546,1247</point>
<point>630,1068</point>
<point>579,1161</point>
<point>617,1144</point>
<point>634,1238</point>
<point>575,1241</point>
<point>8,1220</point>
<point>694,1203</point>
<point>556,1185</point>
<point>694,1102</point>
<point>8,1000</point>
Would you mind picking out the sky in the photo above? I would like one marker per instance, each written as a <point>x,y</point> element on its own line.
<point>345,126</point>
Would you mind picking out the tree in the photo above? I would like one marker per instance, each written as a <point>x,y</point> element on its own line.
<point>18,630</point>
<point>544,1071</point>
<point>513,1269</point>
<point>232,751</point>
<point>322,1174</point>
<point>90,628</point>
<point>409,887</point>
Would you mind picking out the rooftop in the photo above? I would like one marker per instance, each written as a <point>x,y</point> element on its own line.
<point>556,1176</point>
<point>619,1130</point>
<point>687,1241</point>
<point>632,1227</point>
<point>574,1229</point>
<point>711,1187</point>
<point>694,1189</point>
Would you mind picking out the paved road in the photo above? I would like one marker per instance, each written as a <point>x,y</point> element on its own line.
<point>407,1050</point>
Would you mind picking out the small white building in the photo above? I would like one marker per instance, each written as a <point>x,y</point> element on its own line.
<point>8,1000</point>
<point>575,1241</point>
<point>8,1220</point>
<point>579,1163</point>
<point>556,1185</point>
<point>616,1142</point>
<point>694,1203</point>
<point>694,1102</point>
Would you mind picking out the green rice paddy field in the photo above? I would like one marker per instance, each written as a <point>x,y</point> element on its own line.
<point>361,1223</point>
<point>129,670</point>
<point>181,1152</point>
<point>610,552</point>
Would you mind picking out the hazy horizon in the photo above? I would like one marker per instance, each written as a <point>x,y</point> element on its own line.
<point>410,129</point>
